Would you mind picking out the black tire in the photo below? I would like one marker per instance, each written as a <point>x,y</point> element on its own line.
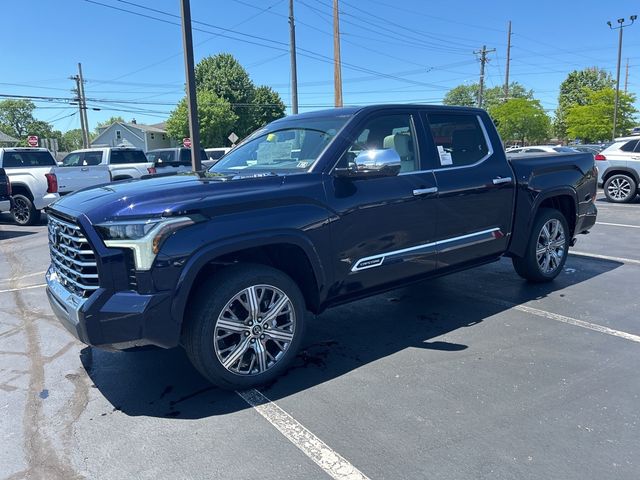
<point>219,294</point>
<point>529,267</point>
<point>24,212</point>
<point>620,188</point>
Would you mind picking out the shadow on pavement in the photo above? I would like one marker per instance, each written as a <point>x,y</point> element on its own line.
<point>9,234</point>
<point>162,383</point>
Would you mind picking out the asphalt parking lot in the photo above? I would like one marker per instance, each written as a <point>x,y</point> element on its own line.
<point>477,375</point>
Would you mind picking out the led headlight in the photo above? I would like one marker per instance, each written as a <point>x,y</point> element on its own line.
<point>144,237</point>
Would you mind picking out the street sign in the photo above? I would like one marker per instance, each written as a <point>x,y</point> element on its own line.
<point>233,138</point>
<point>32,140</point>
<point>186,142</point>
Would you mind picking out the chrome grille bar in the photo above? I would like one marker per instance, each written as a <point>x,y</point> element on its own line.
<point>72,257</point>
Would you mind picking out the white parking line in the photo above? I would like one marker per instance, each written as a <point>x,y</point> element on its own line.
<point>4,280</point>
<point>560,318</point>
<point>23,288</point>
<point>330,461</point>
<point>617,225</point>
<point>605,257</point>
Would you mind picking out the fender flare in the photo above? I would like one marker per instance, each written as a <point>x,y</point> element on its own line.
<point>522,231</point>
<point>207,254</point>
<point>16,185</point>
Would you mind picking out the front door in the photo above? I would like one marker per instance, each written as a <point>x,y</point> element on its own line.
<point>476,188</point>
<point>384,228</point>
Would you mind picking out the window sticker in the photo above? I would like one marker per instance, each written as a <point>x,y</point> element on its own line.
<point>445,157</point>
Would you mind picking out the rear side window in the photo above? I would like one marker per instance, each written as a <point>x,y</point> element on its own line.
<point>128,156</point>
<point>629,146</point>
<point>458,138</point>
<point>28,159</point>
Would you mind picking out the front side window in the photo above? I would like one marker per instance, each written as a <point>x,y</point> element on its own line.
<point>458,138</point>
<point>290,149</point>
<point>161,157</point>
<point>92,158</point>
<point>71,160</point>
<point>386,132</point>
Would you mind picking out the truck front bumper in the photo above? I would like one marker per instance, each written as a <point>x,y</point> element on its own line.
<point>114,320</point>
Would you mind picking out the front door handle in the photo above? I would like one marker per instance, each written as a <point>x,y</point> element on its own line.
<point>84,169</point>
<point>498,181</point>
<point>425,191</point>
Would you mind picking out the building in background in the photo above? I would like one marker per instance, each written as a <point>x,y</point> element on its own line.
<point>8,140</point>
<point>132,134</point>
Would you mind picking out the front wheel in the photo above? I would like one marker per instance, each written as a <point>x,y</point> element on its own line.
<point>547,249</point>
<point>24,212</point>
<point>245,326</point>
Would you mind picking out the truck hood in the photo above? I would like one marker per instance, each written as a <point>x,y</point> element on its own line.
<point>176,194</point>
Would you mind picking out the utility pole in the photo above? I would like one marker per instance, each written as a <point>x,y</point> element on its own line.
<point>626,76</point>
<point>78,98</point>
<point>83,107</point>
<point>294,70</point>
<point>621,27</point>
<point>506,76</point>
<point>483,61</point>
<point>337,66</point>
<point>187,44</point>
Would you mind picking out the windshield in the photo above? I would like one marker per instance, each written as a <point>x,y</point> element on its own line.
<point>289,150</point>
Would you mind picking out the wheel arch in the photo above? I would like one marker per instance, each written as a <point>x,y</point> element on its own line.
<point>609,172</point>
<point>293,254</point>
<point>19,188</point>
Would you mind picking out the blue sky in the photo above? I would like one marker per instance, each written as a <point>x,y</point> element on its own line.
<point>410,51</point>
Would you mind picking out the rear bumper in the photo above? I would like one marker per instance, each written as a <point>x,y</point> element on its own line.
<point>587,219</point>
<point>114,320</point>
<point>5,205</point>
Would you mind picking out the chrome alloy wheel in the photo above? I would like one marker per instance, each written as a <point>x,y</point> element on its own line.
<point>254,330</point>
<point>550,248</point>
<point>21,211</point>
<point>619,188</point>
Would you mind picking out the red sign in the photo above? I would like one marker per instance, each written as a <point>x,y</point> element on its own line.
<point>32,140</point>
<point>186,142</point>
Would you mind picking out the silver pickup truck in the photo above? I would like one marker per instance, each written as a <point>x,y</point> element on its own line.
<point>123,163</point>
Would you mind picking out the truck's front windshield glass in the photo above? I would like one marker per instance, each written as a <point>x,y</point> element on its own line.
<point>291,149</point>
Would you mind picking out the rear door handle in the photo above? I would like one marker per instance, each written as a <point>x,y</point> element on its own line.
<point>84,169</point>
<point>425,191</point>
<point>498,181</point>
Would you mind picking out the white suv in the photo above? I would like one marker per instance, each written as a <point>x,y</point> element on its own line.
<point>619,169</point>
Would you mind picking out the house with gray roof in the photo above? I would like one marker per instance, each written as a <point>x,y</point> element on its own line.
<point>132,134</point>
<point>8,140</point>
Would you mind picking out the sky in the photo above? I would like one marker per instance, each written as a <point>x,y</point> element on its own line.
<point>409,51</point>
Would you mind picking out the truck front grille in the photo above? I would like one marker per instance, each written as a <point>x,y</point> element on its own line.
<point>72,257</point>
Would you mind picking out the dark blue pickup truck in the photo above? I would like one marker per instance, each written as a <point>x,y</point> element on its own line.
<point>311,211</point>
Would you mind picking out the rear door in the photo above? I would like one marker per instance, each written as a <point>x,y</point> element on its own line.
<point>80,170</point>
<point>476,188</point>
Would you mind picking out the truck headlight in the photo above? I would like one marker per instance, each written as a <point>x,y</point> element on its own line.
<point>144,237</point>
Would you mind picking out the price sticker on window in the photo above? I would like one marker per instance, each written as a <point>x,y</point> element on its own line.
<point>445,157</point>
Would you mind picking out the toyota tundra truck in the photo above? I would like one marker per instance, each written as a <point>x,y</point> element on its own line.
<point>310,211</point>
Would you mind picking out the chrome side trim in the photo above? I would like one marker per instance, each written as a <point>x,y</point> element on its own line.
<point>379,259</point>
<point>425,191</point>
<point>498,181</point>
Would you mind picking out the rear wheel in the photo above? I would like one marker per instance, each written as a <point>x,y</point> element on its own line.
<point>620,188</point>
<point>547,249</point>
<point>245,326</point>
<point>24,212</point>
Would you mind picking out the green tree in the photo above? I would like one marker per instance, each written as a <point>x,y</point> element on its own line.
<point>574,90</point>
<point>467,95</point>
<point>267,106</point>
<point>215,116</point>
<point>593,120</point>
<point>521,119</point>
<point>15,116</point>
<point>107,122</point>
<point>40,128</point>
<point>71,140</point>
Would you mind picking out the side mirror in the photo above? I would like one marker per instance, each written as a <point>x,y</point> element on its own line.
<point>373,163</point>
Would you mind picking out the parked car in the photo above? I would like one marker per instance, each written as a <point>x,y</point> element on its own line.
<point>635,131</point>
<point>173,160</point>
<point>215,154</point>
<point>311,211</point>
<point>619,169</point>
<point>123,163</point>
<point>34,184</point>
<point>5,192</point>
<point>593,149</point>
<point>542,149</point>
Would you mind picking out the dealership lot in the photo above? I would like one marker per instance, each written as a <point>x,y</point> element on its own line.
<point>475,375</point>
